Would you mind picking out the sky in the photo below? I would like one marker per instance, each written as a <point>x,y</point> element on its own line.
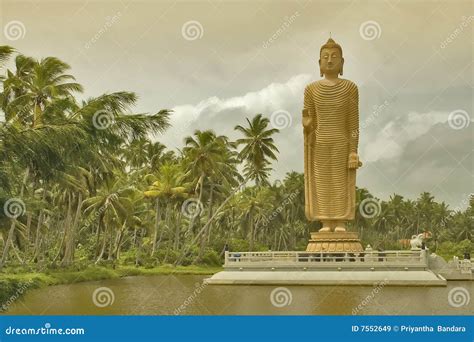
<point>216,63</point>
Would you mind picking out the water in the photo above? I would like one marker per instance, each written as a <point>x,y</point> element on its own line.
<point>185,294</point>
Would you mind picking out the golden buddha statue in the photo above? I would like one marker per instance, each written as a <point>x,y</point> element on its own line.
<point>331,137</point>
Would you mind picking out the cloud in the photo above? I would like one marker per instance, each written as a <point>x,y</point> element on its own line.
<point>222,115</point>
<point>404,151</point>
<point>393,138</point>
<point>436,159</point>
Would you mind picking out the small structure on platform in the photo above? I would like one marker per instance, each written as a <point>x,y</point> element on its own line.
<point>455,269</point>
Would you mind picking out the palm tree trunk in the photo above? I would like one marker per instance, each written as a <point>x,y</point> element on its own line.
<point>157,223</point>
<point>29,221</point>
<point>204,237</point>
<point>118,241</point>
<point>11,232</point>
<point>99,228</point>
<point>67,227</point>
<point>198,216</point>
<point>177,231</point>
<point>102,249</point>
<point>211,202</point>
<point>111,247</point>
<point>37,236</point>
<point>36,247</point>
<point>178,222</point>
<point>71,236</point>
<point>178,260</point>
<point>7,244</point>
<point>167,219</point>
<point>251,232</point>
<point>15,251</point>
<point>134,239</point>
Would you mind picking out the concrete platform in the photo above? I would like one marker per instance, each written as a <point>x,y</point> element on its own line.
<point>389,278</point>
<point>453,270</point>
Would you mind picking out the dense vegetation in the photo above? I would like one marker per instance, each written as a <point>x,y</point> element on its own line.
<point>88,182</point>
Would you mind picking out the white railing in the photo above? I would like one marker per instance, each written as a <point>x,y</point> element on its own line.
<point>415,258</point>
<point>465,266</point>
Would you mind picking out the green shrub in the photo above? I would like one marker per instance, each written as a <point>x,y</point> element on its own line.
<point>449,249</point>
<point>13,288</point>
<point>240,245</point>
<point>211,258</point>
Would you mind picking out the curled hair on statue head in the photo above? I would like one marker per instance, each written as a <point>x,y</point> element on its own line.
<point>330,44</point>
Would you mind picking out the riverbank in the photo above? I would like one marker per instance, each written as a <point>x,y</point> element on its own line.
<point>14,285</point>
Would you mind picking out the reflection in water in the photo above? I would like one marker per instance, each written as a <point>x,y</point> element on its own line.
<point>185,294</point>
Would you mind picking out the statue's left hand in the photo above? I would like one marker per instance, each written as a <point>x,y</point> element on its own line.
<point>354,162</point>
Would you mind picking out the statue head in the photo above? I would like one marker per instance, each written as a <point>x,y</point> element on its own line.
<point>330,58</point>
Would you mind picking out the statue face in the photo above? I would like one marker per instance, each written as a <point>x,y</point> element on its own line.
<point>331,61</point>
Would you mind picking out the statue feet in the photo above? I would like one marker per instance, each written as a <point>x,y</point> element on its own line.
<point>327,226</point>
<point>340,226</point>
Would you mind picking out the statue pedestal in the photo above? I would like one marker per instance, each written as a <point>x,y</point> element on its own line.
<point>344,242</point>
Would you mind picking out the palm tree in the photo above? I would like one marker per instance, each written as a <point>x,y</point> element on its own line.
<point>255,205</point>
<point>259,148</point>
<point>113,207</point>
<point>135,153</point>
<point>462,227</point>
<point>167,187</point>
<point>208,161</point>
<point>156,155</point>
<point>40,82</point>
<point>24,98</point>
<point>203,156</point>
<point>75,185</point>
<point>5,53</point>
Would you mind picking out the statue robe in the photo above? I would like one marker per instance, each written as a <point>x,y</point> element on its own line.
<point>334,133</point>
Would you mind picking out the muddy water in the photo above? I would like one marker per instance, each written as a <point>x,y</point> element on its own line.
<point>185,294</point>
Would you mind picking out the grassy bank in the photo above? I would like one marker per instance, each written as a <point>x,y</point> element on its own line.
<point>14,283</point>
